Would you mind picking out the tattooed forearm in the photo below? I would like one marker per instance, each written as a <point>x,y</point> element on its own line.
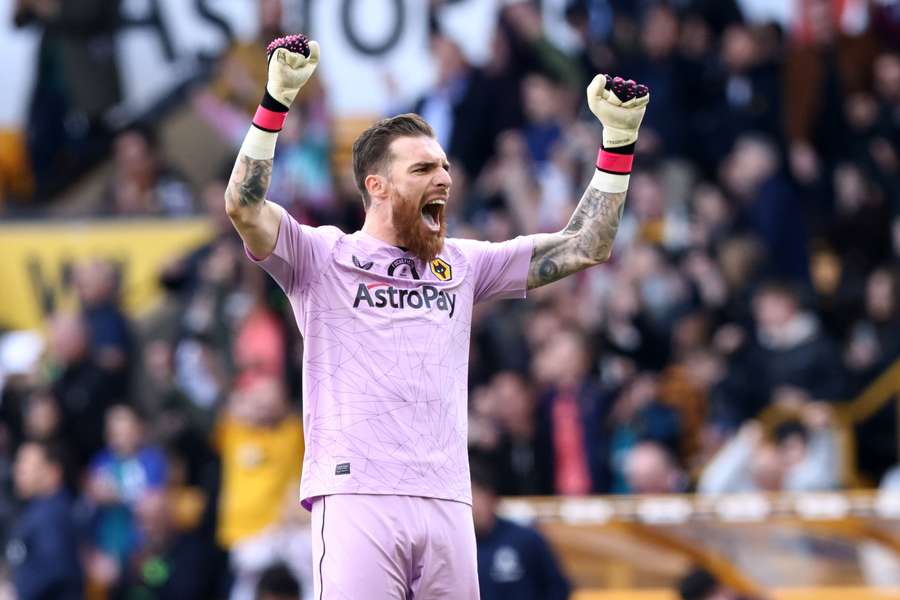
<point>587,239</point>
<point>249,182</point>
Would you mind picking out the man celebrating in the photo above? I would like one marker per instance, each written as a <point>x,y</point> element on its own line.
<point>385,313</point>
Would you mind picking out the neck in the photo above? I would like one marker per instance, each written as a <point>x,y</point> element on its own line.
<point>379,225</point>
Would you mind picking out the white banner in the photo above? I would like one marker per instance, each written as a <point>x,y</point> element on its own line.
<point>375,55</point>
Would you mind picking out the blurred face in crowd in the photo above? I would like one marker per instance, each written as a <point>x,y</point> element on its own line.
<point>265,401</point>
<point>124,430</point>
<point>158,362</point>
<point>134,157</point>
<point>739,50</point>
<point>750,163</point>
<point>33,474</point>
<point>820,16</point>
<point>767,468</point>
<point>68,338</point>
<point>270,12</point>
<point>450,60</point>
<point>659,34</point>
<point>880,298</point>
<point>419,187</point>
<point>649,470</point>
<point>850,188</point>
<point>42,418</point>
<point>646,196</point>
<point>514,401</point>
<point>773,309</point>
<point>887,77</point>
<point>563,361</point>
<point>95,282</point>
<point>154,518</point>
<point>539,99</point>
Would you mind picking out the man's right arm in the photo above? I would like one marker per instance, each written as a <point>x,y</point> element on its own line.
<point>256,219</point>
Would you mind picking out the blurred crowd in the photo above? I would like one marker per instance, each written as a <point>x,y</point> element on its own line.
<point>756,266</point>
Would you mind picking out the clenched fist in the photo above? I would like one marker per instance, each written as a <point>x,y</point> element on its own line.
<point>620,106</point>
<point>289,67</point>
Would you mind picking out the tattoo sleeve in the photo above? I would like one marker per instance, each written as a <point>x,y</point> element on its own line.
<point>587,239</point>
<point>249,182</point>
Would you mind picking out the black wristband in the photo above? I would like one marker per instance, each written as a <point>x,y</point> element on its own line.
<point>629,149</point>
<point>270,103</point>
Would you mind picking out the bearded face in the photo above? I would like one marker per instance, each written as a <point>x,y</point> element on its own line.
<point>420,224</point>
<point>420,184</point>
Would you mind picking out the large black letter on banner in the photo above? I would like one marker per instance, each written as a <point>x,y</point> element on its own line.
<point>216,21</point>
<point>154,21</point>
<point>373,49</point>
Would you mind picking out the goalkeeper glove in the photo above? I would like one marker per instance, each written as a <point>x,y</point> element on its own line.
<point>620,106</point>
<point>292,60</point>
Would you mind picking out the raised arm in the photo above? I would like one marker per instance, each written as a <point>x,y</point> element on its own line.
<point>587,240</point>
<point>291,63</point>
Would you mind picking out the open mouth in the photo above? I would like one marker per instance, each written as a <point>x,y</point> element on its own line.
<point>431,214</point>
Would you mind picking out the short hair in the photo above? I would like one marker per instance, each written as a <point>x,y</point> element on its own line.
<point>780,288</point>
<point>371,148</point>
<point>277,580</point>
<point>697,584</point>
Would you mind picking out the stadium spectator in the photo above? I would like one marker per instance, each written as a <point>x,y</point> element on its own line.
<point>638,416</point>
<point>260,441</point>
<point>77,86</point>
<point>83,389</point>
<point>142,184</point>
<point>790,347</point>
<point>803,457</point>
<point>650,468</point>
<point>514,561</point>
<point>42,420</point>
<point>118,478</point>
<point>521,469</point>
<point>571,412</point>
<point>97,286</point>
<point>43,549</point>
<point>167,564</point>
<point>456,106</point>
<point>752,175</point>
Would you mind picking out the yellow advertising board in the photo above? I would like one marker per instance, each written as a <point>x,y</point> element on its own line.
<point>37,258</point>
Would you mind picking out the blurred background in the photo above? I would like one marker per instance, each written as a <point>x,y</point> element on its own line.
<point>711,415</point>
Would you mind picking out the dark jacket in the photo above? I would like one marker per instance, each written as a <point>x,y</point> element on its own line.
<point>516,562</point>
<point>43,551</point>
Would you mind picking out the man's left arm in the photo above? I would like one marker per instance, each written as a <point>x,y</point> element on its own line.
<point>587,240</point>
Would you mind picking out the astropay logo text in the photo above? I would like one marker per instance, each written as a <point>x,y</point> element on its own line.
<point>380,295</point>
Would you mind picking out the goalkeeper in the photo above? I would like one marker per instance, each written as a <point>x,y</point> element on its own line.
<point>386,317</point>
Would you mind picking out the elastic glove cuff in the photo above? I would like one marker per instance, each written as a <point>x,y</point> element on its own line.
<point>271,114</point>
<point>616,160</point>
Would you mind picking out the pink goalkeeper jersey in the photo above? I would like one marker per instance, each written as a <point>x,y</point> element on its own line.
<point>386,355</point>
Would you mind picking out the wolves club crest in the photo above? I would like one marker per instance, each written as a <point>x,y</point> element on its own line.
<point>441,269</point>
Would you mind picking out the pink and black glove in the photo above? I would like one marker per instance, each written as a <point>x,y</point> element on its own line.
<point>620,105</point>
<point>292,60</point>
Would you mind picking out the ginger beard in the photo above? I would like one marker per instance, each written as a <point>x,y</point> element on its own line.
<point>420,224</point>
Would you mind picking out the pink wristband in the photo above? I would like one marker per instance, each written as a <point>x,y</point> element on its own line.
<point>614,163</point>
<point>269,119</point>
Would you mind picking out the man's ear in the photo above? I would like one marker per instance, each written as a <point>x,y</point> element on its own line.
<point>376,186</point>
